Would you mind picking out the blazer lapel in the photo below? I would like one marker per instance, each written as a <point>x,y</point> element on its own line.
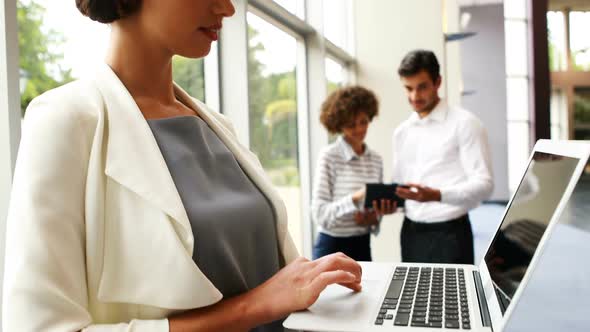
<point>142,262</point>
<point>133,157</point>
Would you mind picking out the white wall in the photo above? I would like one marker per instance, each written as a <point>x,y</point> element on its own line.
<point>385,31</point>
<point>488,103</point>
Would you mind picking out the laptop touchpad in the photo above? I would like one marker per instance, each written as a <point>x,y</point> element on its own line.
<point>338,302</point>
<point>341,309</point>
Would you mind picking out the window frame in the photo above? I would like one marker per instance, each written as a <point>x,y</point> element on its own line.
<point>10,114</point>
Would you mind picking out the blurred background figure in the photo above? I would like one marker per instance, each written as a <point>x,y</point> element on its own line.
<point>343,169</point>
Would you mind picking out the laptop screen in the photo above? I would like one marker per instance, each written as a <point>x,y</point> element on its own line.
<point>531,209</point>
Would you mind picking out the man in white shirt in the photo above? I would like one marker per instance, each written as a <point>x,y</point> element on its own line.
<point>442,154</point>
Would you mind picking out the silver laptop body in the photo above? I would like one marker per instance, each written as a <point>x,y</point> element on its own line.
<point>433,297</point>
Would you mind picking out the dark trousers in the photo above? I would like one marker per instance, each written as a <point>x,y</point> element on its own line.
<point>442,242</point>
<point>355,247</point>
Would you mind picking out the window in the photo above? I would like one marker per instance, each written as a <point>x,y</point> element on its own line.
<point>556,34</point>
<point>518,151</point>
<point>582,113</point>
<point>189,74</point>
<point>516,35</point>
<point>559,115</point>
<point>56,43</point>
<point>272,91</point>
<point>517,96</point>
<point>579,42</point>
<point>516,29</point>
<point>294,6</point>
<point>337,17</point>
<point>515,9</point>
<point>336,76</point>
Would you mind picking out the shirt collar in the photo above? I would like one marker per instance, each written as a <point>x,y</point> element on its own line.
<point>438,114</point>
<point>348,152</point>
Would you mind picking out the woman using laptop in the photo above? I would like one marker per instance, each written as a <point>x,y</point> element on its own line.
<point>135,208</point>
<point>343,169</point>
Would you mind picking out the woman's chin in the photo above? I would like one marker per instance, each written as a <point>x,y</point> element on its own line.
<point>196,53</point>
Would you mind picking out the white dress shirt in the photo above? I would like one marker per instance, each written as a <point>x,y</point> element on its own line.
<point>341,172</point>
<point>446,150</point>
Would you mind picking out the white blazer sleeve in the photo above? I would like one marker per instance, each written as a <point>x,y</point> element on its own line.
<point>45,273</point>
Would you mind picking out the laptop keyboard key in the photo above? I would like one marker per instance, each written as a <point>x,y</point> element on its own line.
<point>452,324</point>
<point>434,324</point>
<point>401,319</point>
<point>395,289</point>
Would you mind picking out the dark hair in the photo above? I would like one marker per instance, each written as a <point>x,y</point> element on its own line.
<point>419,60</point>
<point>343,105</point>
<point>107,11</point>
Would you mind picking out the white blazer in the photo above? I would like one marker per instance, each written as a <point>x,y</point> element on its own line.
<point>97,237</point>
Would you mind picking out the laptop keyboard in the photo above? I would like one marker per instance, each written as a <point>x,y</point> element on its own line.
<point>426,297</point>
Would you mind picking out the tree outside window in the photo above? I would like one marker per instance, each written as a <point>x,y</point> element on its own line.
<point>56,43</point>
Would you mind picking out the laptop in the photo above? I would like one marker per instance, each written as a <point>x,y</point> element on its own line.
<point>433,297</point>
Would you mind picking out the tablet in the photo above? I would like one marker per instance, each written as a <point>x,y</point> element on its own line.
<point>378,191</point>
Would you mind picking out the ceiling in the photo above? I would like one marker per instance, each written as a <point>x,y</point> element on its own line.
<point>469,3</point>
<point>553,4</point>
<point>572,4</point>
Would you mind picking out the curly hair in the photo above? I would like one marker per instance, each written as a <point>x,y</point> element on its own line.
<point>107,11</point>
<point>343,105</point>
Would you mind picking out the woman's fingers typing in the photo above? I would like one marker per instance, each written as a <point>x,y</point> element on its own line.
<point>299,284</point>
<point>335,262</point>
<point>324,279</point>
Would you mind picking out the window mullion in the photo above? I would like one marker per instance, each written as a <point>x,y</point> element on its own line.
<point>233,63</point>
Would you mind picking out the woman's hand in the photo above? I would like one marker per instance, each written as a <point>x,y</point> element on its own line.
<point>371,217</point>
<point>358,196</point>
<point>366,218</point>
<point>386,207</point>
<point>299,284</point>
<point>295,287</point>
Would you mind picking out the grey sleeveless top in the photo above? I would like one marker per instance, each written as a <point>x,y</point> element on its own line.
<point>232,221</point>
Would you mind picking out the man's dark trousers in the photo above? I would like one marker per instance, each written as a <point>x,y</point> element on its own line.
<point>442,242</point>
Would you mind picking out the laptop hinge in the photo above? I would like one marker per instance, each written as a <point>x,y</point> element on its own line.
<point>481,298</point>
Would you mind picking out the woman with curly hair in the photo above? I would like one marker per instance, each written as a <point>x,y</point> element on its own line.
<point>135,208</point>
<point>344,167</point>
